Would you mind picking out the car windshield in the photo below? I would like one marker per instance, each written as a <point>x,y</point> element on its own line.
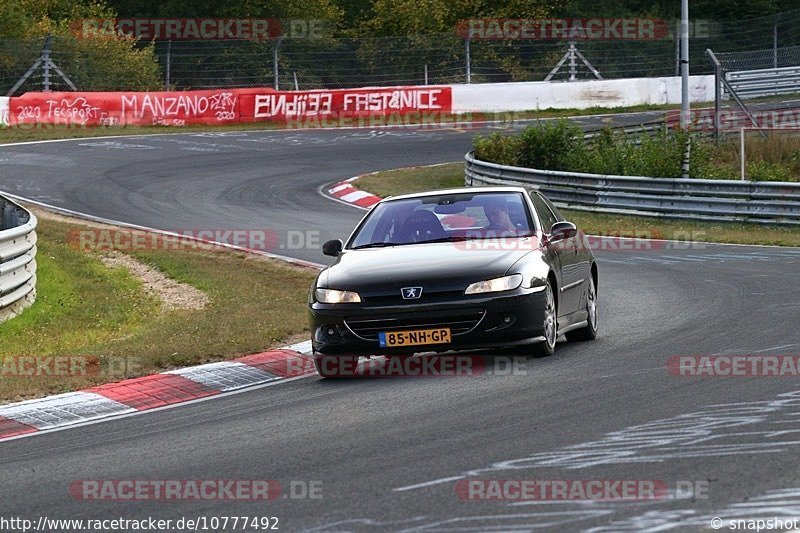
<point>443,218</point>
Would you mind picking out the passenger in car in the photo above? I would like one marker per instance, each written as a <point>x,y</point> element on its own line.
<point>497,212</point>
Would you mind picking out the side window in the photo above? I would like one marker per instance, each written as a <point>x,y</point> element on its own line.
<point>546,216</point>
<point>554,209</point>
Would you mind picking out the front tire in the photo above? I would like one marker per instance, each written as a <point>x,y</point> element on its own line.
<point>589,332</point>
<point>330,366</point>
<point>547,347</point>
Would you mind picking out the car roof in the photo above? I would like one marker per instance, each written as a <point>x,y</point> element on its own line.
<point>460,190</point>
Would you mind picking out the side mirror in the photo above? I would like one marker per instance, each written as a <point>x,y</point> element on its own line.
<point>333,247</point>
<point>562,231</point>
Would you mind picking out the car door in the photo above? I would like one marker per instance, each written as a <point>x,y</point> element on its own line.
<point>570,286</point>
<point>580,263</point>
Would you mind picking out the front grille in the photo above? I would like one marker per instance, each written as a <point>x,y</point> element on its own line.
<point>427,297</point>
<point>459,321</point>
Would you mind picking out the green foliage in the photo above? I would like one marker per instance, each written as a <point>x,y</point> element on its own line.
<point>404,17</point>
<point>33,18</point>
<point>775,157</point>
<point>660,155</point>
<point>368,42</point>
<point>354,13</point>
<point>99,62</point>
<point>109,62</point>
<point>719,10</point>
<point>560,146</point>
<point>328,10</point>
<point>767,171</point>
<point>500,148</point>
<point>555,145</point>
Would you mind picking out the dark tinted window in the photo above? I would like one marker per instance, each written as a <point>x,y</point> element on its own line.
<point>554,209</point>
<point>546,216</point>
<point>483,215</point>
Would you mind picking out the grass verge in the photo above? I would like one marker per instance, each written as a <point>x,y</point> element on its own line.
<point>417,179</point>
<point>103,318</point>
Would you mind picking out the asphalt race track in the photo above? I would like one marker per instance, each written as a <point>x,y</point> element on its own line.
<point>389,453</point>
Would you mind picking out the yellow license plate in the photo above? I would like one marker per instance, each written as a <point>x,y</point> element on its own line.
<point>418,337</point>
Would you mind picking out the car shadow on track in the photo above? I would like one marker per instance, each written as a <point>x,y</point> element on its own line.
<point>497,362</point>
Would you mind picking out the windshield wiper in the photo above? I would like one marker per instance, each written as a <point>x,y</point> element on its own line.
<point>452,238</point>
<point>373,245</point>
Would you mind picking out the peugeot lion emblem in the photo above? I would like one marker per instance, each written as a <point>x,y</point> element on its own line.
<point>411,293</point>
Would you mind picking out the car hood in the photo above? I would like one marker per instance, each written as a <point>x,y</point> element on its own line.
<point>438,267</point>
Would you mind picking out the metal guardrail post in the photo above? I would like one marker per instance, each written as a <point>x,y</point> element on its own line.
<point>168,66</point>
<point>713,58</point>
<point>275,62</point>
<point>717,100</point>
<point>468,65</point>
<point>775,43</point>
<point>47,65</point>
<point>46,62</point>
<point>687,159</point>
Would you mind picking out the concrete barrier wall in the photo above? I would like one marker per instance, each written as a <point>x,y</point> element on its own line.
<point>226,106</point>
<point>491,97</point>
<point>4,110</point>
<point>345,107</point>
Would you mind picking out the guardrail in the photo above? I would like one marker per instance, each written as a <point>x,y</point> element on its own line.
<point>17,258</point>
<point>726,200</point>
<point>765,82</point>
<point>651,129</point>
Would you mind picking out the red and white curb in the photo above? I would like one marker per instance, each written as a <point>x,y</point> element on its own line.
<point>344,191</point>
<point>154,391</point>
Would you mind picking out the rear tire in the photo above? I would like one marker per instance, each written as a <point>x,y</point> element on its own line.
<point>589,332</point>
<point>331,366</point>
<point>547,347</point>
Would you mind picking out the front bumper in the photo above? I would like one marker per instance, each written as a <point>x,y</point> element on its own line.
<point>496,320</point>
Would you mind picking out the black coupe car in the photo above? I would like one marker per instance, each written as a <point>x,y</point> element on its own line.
<point>460,269</point>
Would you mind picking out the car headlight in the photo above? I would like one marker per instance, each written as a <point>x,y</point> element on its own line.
<point>331,296</point>
<point>505,283</point>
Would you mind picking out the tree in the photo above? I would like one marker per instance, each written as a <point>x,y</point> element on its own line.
<point>404,17</point>
<point>100,61</point>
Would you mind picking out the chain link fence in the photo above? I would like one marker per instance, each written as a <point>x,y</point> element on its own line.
<point>330,63</point>
<point>59,63</point>
<point>760,59</point>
